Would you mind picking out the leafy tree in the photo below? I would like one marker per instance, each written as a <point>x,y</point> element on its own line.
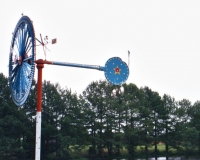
<point>167,121</point>
<point>182,119</point>
<point>190,136</point>
<point>118,107</point>
<point>149,115</point>
<point>72,123</point>
<point>195,121</point>
<point>131,129</point>
<point>97,96</point>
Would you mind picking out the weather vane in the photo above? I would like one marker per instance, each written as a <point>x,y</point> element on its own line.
<point>22,60</point>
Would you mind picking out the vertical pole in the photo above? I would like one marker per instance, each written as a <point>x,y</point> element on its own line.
<point>40,65</point>
<point>128,58</point>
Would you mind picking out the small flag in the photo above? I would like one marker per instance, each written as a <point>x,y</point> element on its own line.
<point>54,41</point>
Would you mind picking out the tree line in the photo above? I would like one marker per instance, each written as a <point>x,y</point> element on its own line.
<point>98,123</point>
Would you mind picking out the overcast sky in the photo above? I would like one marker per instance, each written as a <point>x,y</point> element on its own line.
<point>163,37</point>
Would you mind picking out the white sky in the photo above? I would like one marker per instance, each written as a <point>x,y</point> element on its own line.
<point>163,37</point>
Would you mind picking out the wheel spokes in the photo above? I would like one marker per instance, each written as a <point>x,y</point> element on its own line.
<point>27,70</point>
<point>24,80</point>
<point>17,43</point>
<point>22,44</point>
<point>20,79</point>
<point>16,79</point>
<point>23,40</point>
<point>14,72</point>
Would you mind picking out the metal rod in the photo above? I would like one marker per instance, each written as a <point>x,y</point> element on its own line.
<point>128,58</point>
<point>79,65</point>
<point>27,58</point>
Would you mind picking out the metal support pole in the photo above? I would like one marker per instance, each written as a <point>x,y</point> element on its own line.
<point>40,65</point>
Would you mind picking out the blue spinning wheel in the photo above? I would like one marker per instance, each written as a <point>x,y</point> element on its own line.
<point>21,60</point>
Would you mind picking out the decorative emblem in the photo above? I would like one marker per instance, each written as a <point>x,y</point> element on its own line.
<point>117,70</point>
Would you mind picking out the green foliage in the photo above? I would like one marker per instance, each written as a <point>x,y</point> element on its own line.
<point>14,126</point>
<point>98,124</point>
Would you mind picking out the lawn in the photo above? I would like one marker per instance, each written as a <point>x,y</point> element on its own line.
<point>139,152</point>
<point>160,147</point>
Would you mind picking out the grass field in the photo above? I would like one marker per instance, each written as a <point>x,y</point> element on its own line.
<point>161,148</point>
<point>124,152</point>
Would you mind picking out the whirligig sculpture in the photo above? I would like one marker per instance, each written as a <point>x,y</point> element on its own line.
<point>22,61</point>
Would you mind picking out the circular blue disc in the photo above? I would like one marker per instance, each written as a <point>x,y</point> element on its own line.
<point>21,60</point>
<point>116,71</point>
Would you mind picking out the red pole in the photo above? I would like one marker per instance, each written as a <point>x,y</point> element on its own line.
<point>40,66</point>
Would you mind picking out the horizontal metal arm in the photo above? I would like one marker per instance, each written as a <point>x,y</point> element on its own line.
<point>78,65</point>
